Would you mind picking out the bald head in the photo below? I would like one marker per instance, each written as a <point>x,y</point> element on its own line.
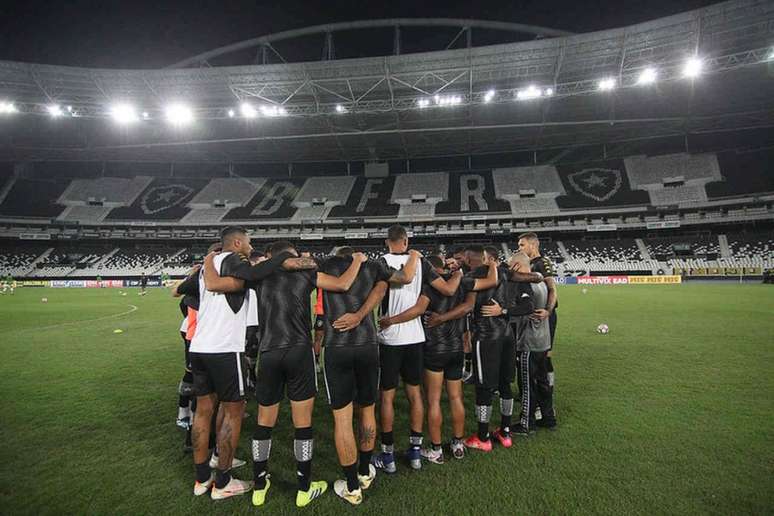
<point>519,262</point>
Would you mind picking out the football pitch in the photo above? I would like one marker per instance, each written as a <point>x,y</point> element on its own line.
<point>670,413</point>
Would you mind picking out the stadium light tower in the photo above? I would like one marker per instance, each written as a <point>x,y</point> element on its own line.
<point>55,110</point>
<point>647,76</point>
<point>124,113</point>
<point>606,84</point>
<point>179,114</point>
<point>692,68</point>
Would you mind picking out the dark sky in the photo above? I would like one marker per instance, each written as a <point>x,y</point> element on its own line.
<point>145,34</point>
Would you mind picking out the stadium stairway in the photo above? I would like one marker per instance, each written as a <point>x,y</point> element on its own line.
<point>643,249</point>
<point>7,188</point>
<point>563,250</point>
<point>725,249</point>
<point>101,262</point>
<point>37,260</point>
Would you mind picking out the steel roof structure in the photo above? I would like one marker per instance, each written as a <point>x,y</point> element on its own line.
<point>371,108</point>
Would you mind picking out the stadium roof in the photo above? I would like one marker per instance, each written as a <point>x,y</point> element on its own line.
<point>453,102</point>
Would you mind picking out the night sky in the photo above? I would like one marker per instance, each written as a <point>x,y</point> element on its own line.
<point>144,34</point>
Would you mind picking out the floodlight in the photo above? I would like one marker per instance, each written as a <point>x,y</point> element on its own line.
<point>692,68</point>
<point>124,113</point>
<point>247,110</point>
<point>231,113</point>
<point>54,110</point>
<point>340,108</point>
<point>145,115</point>
<point>423,103</point>
<point>548,92</point>
<point>647,76</point>
<point>489,95</point>
<point>6,108</point>
<point>606,84</point>
<point>530,92</point>
<point>179,114</point>
<point>273,111</point>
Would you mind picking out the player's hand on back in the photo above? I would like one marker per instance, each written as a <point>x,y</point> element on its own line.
<point>493,310</point>
<point>361,257</point>
<point>433,320</point>
<point>540,315</point>
<point>416,253</point>
<point>384,323</point>
<point>346,322</point>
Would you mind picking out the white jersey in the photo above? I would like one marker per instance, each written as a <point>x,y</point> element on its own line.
<point>252,309</point>
<point>218,328</point>
<point>398,299</point>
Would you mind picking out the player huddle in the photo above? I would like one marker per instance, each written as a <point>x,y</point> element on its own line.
<point>433,313</point>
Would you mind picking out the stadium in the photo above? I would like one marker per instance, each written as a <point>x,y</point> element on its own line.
<point>641,157</point>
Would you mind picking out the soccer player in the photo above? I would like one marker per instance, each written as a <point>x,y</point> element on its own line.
<point>533,340</point>
<point>443,358</point>
<point>143,283</point>
<point>493,350</point>
<point>400,350</point>
<point>351,364</point>
<point>529,244</point>
<point>287,363</point>
<point>319,327</point>
<point>216,360</point>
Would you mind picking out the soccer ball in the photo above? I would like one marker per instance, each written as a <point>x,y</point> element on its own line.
<point>44,300</point>
<point>584,291</point>
<point>603,329</point>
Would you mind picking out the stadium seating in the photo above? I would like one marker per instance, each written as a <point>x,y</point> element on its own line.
<point>596,184</point>
<point>528,189</point>
<point>472,192</point>
<point>33,198</point>
<point>417,194</point>
<point>673,178</point>
<point>84,214</point>
<point>620,255</point>
<point>274,200</point>
<point>109,190</point>
<point>370,197</point>
<point>163,199</point>
<point>320,194</point>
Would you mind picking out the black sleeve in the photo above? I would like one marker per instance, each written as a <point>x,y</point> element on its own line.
<point>183,307</point>
<point>236,267</point>
<point>520,299</point>
<point>428,273</point>
<point>383,271</point>
<point>468,283</point>
<point>190,286</point>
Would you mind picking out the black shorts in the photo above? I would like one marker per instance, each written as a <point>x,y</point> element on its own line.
<point>448,363</point>
<point>494,362</point>
<point>400,361</point>
<point>552,327</point>
<point>351,375</point>
<point>287,367</point>
<point>219,373</point>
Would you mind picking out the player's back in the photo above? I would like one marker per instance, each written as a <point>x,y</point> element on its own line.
<point>490,327</point>
<point>446,336</point>
<point>336,304</point>
<point>284,303</point>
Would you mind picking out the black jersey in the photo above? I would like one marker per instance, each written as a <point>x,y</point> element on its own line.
<point>237,266</point>
<point>336,304</point>
<point>488,328</point>
<point>446,337</point>
<point>545,267</point>
<point>284,306</point>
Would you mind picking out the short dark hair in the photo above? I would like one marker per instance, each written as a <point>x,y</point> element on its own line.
<point>435,261</point>
<point>230,232</point>
<point>529,236</point>
<point>396,233</point>
<point>281,246</point>
<point>475,249</point>
<point>344,250</point>
<point>492,251</point>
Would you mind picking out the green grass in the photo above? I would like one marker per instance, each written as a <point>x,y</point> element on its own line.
<point>669,413</point>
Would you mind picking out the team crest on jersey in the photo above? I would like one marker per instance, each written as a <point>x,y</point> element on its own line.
<point>160,198</point>
<point>599,184</point>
